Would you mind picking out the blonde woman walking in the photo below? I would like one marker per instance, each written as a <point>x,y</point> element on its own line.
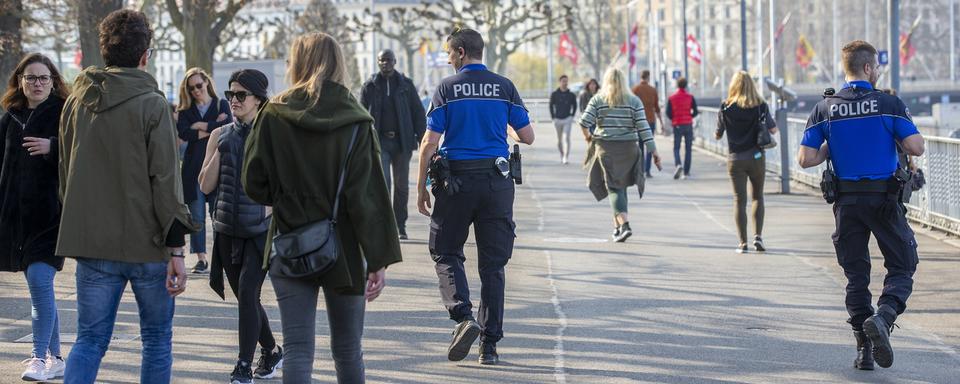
<point>742,115</point>
<point>612,123</point>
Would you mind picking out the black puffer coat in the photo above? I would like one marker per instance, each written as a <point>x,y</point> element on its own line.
<point>29,204</point>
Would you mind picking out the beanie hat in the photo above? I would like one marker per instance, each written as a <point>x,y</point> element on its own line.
<point>251,79</point>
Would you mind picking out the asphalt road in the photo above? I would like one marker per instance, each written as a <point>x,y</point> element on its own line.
<point>674,304</point>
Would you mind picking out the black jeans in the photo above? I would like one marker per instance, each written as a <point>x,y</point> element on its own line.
<point>486,202</point>
<point>857,216</point>
<point>246,280</point>
<point>685,133</point>
<point>297,299</point>
<point>396,163</point>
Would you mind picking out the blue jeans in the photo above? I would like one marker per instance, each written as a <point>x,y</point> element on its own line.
<point>100,285</point>
<point>198,209</point>
<point>684,132</point>
<point>43,309</point>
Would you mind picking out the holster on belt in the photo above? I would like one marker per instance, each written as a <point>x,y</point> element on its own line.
<point>439,173</point>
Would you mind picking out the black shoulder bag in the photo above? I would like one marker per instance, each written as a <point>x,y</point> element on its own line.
<point>311,250</point>
<point>764,138</point>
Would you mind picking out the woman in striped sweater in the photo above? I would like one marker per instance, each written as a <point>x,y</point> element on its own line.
<point>612,124</point>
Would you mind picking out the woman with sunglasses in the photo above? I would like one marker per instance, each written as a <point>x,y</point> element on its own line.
<point>240,227</point>
<point>199,112</point>
<point>29,202</point>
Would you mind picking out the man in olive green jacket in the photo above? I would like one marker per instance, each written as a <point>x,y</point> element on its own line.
<point>123,212</point>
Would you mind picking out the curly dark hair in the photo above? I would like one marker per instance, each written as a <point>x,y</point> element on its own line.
<point>124,36</point>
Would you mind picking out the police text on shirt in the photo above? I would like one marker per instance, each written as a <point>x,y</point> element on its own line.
<point>476,89</point>
<point>854,109</point>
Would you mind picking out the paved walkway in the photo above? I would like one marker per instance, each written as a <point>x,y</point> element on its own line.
<point>674,304</point>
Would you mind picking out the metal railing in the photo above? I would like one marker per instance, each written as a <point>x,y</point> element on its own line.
<point>936,205</point>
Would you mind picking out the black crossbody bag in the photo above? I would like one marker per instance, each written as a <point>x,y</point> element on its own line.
<point>310,250</point>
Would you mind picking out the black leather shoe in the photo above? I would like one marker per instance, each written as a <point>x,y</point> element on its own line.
<point>488,354</point>
<point>864,359</point>
<point>464,335</point>
<point>878,330</point>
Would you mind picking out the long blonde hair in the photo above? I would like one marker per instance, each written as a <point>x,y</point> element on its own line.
<point>186,100</point>
<point>614,87</point>
<point>743,92</point>
<point>314,58</point>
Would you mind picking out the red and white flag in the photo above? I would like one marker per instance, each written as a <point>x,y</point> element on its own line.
<point>693,49</point>
<point>634,40</point>
<point>567,49</point>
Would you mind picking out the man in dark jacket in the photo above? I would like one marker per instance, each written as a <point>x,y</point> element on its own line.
<point>400,121</point>
<point>563,105</point>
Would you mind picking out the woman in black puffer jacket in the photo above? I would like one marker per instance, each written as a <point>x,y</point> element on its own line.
<point>29,201</point>
<point>742,115</point>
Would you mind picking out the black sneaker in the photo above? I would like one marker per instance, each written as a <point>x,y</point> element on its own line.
<point>464,335</point>
<point>616,232</point>
<point>758,244</point>
<point>878,330</point>
<point>488,354</point>
<point>269,363</point>
<point>403,233</point>
<point>742,248</point>
<point>678,172</point>
<point>624,234</point>
<point>201,267</point>
<point>241,373</point>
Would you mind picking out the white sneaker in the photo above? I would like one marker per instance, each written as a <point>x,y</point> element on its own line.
<point>55,366</point>
<point>36,370</point>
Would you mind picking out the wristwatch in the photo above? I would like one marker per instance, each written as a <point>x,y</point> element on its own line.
<point>175,254</point>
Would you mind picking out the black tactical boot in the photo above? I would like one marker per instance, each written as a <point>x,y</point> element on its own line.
<point>488,354</point>
<point>878,328</point>
<point>864,359</point>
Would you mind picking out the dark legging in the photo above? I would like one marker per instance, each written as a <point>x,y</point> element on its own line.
<point>246,280</point>
<point>618,200</point>
<point>740,171</point>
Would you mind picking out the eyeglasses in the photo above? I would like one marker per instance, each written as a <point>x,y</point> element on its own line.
<point>240,95</point>
<point>31,79</point>
<point>195,86</point>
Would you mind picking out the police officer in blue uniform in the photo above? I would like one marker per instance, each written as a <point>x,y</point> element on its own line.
<point>863,129</point>
<point>474,111</point>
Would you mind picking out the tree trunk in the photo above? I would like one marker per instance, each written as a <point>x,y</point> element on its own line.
<point>200,42</point>
<point>11,39</point>
<point>91,13</point>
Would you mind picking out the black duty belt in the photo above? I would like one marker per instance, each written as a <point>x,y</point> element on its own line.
<point>473,166</point>
<point>864,186</point>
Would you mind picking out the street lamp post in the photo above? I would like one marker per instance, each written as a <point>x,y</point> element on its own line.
<point>894,23</point>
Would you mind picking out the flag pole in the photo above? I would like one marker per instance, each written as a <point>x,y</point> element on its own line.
<point>894,23</point>
<point>703,60</point>
<point>683,44</point>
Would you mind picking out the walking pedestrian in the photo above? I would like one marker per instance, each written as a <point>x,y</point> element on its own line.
<point>474,111</point>
<point>587,93</point>
<point>240,228</point>
<point>862,128</point>
<point>199,112</point>
<point>563,105</point>
<point>681,109</point>
<point>29,205</point>
<point>400,121</point>
<point>304,142</point>
<point>742,115</point>
<point>651,105</point>
<point>613,124</point>
<point>124,218</point>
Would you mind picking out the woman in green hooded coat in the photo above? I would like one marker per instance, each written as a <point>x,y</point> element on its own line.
<point>295,152</point>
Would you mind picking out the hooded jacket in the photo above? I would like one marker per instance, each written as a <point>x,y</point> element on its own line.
<point>119,178</point>
<point>29,206</point>
<point>293,160</point>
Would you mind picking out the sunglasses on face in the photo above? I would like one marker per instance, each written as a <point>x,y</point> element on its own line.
<point>31,79</point>
<point>196,86</point>
<point>240,95</point>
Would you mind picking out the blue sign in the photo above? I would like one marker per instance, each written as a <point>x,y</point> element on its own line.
<point>676,74</point>
<point>883,57</point>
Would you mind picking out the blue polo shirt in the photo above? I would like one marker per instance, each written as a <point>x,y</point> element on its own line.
<point>472,110</point>
<point>860,125</point>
